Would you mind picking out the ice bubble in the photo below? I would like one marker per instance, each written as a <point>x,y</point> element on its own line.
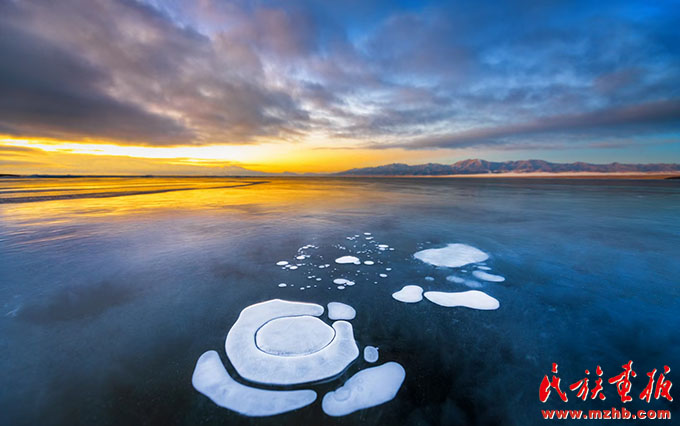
<point>348,259</point>
<point>283,285</point>
<point>383,246</point>
<point>383,275</point>
<point>388,269</point>
<point>318,279</point>
<point>429,278</point>
<point>409,294</point>
<point>341,287</point>
<point>291,336</point>
<point>256,365</point>
<point>292,267</point>
<point>212,380</point>
<point>342,281</point>
<point>370,354</point>
<point>452,256</point>
<point>368,262</point>
<point>483,268</point>
<point>367,388</point>
<point>488,277</point>
<point>369,238</point>
<point>340,311</point>
<point>281,263</point>
<point>367,233</point>
<point>473,284</point>
<point>455,279</point>
<point>301,257</point>
<point>470,299</point>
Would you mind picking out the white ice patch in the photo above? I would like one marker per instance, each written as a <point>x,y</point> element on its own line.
<point>483,268</point>
<point>283,285</point>
<point>340,311</point>
<point>292,267</point>
<point>452,256</point>
<point>409,294</point>
<point>367,388</point>
<point>383,246</point>
<point>281,263</point>
<point>301,257</point>
<point>470,299</point>
<point>429,278</point>
<point>370,354</point>
<point>488,277</point>
<point>383,275</point>
<point>368,262</point>
<point>348,259</point>
<point>256,365</point>
<point>212,380</point>
<point>342,281</point>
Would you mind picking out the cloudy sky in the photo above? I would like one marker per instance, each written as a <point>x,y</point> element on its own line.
<point>211,86</point>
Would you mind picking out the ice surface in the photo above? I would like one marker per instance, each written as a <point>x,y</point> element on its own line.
<point>212,380</point>
<point>340,311</point>
<point>488,277</point>
<point>258,366</point>
<point>370,354</point>
<point>343,281</point>
<point>474,299</point>
<point>428,278</point>
<point>409,294</point>
<point>455,279</point>
<point>483,268</point>
<point>281,263</point>
<point>367,388</point>
<point>452,256</point>
<point>348,259</point>
<point>291,336</point>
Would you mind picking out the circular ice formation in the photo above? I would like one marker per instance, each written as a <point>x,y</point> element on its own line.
<point>343,281</point>
<point>261,367</point>
<point>212,380</point>
<point>348,259</point>
<point>409,294</point>
<point>370,354</point>
<point>452,256</point>
<point>292,336</point>
<point>488,277</point>
<point>367,388</point>
<point>470,299</point>
<point>340,311</point>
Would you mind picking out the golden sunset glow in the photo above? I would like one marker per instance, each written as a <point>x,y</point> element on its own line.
<point>50,156</point>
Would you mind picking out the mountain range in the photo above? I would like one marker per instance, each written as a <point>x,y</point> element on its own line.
<point>476,166</point>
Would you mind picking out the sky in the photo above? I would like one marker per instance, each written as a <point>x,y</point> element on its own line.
<point>228,87</point>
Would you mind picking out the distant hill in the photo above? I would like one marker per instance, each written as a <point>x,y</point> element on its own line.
<point>476,166</point>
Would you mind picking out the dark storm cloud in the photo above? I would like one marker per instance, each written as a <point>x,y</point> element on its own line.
<point>381,74</point>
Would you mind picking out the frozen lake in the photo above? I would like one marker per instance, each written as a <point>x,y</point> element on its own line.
<point>112,288</point>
